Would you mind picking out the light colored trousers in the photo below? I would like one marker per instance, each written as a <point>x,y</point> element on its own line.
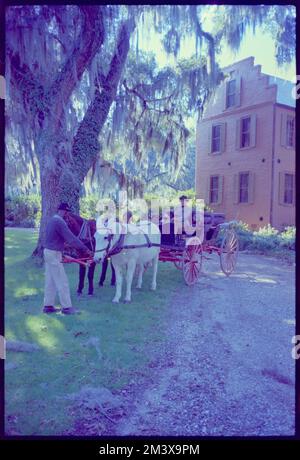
<point>56,280</point>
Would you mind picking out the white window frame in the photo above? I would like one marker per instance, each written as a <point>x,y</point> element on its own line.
<point>285,189</point>
<point>246,132</point>
<point>215,190</point>
<point>290,131</point>
<point>231,94</point>
<point>214,152</point>
<point>246,173</point>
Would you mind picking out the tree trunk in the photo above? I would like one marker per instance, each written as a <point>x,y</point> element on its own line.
<point>86,147</point>
<point>62,182</point>
<point>50,202</point>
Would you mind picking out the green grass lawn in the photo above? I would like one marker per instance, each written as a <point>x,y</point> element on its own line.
<point>36,382</point>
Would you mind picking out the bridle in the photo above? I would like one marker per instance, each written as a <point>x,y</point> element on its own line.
<point>84,232</point>
<point>110,237</point>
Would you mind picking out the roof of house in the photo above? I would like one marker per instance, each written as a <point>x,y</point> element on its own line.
<point>284,87</point>
<point>284,91</point>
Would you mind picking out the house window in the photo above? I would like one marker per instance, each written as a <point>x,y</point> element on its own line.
<point>245,132</point>
<point>244,188</point>
<point>216,139</point>
<point>290,126</point>
<point>288,188</point>
<point>230,93</point>
<point>214,189</point>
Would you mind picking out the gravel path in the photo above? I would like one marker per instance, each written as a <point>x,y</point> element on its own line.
<point>226,366</point>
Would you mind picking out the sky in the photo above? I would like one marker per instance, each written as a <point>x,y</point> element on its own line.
<point>260,45</point>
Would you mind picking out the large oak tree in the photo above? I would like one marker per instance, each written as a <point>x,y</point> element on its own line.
<point>65,73</point>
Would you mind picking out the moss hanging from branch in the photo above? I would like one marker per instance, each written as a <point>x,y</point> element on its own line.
<point>171,42</point>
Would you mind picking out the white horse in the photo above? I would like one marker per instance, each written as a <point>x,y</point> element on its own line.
<point>136,251</point>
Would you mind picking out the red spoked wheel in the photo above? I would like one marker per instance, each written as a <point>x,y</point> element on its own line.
<point>229,251</point>
<point>192,260</point>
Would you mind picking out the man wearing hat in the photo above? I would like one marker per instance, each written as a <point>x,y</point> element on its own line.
<point>182,216</point>
<point>57,233</point>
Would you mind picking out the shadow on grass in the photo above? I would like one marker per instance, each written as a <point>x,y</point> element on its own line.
<point>103,346</point>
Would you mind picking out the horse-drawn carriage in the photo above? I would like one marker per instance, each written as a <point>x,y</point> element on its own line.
<point>187,253</point>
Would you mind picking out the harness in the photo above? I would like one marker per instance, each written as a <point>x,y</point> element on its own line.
<point>85,234</point>
<point>119,245</point>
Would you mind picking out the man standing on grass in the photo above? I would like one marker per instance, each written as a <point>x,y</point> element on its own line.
<point>57,233</point>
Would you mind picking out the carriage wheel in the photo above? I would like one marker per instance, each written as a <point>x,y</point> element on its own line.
<point>192,261</point>
<point>229,251</point>
<point>179,263</point>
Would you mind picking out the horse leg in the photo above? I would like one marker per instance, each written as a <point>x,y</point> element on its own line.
<point>155,265</point>
<point>113,275</point>
<point>140,276</point>
<point>82,271</point>
<point>91,278</point>
<point>103,272</point>
<point>129,276</point>
<point>119,279</point>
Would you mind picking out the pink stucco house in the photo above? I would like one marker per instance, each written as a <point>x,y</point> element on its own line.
<point>245,148</point>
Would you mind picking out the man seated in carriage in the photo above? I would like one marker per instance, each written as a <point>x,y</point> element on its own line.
<point>188,220</point>
<point>166,227</point>
<point>183,218</point>
<point>178,222</point>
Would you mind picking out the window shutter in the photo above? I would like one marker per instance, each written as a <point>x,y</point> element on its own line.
<point>220,189</point>
<point>223,135</point>
<point>238,134</point>
<point>251,188</point>
<point>236,189</point>
<point>283,130</point>
<point>238,91</point>
<point>225,94</point>
<point>281,188</point>
<point>253,130</point>
<point>294,187</point>
<point>207,193</point>
<point>294,132</point>
<point>209,138</point>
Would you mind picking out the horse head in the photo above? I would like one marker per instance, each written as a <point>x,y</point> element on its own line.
<point>106,230</point>
<point>74,222</point>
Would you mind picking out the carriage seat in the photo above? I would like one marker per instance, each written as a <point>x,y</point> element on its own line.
<point>213,218</point>
<point>167,239</point>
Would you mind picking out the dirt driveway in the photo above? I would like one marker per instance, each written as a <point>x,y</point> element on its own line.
<point>226,366</point>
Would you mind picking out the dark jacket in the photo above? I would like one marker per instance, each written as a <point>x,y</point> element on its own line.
<point>57,233</point>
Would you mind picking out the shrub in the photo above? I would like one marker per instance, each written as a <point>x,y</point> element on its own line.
<point>264,240</point>
<point>23,211</point>
<point>288,238</point>
<point>245,236</point>
<point>88,206</point>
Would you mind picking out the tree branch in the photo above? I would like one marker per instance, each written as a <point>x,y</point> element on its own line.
<point>34,94</point>
<point>87,46</point>
<point>86,146</point>
<point>146,101</point>
<point>25,81</point>
<point>154,177</point>
<point>206,35</point>
<point>172,186</point>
